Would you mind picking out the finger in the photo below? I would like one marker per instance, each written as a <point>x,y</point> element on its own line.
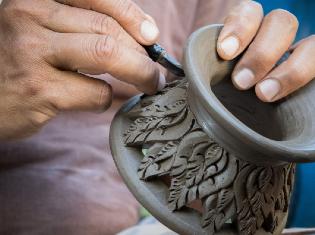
<point>98,54</point>
<point>64,19</point>
<point>274,38</point>
<point>240,27</point>
<point>72,91</point>
<point>126,13</point>
<point>291,75</point>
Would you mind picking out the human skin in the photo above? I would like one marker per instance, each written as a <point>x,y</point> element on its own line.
<point>265,40</point>
<point>46,45</point>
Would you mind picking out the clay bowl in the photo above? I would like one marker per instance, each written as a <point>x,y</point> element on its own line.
<point>151,194</point>
<point>250,129</point>
<point>255,131</point>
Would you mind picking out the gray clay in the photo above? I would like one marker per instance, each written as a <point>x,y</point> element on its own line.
<point>188,135</point>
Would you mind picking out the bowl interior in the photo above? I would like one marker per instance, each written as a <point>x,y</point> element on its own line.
<point>288,124</point>
<point>249,110</point>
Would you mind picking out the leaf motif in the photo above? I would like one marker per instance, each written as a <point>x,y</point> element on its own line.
<point>264,178</point>
<point>229,188</point>
<point>216,161</point>
<point>160,117</point>
<point>219,208</point>
<point>289,183</point>
<point>158,160</point>
<point>263,195</point>
<point>172,132</point>
<point>142,108</point>
<point>222,176</point>
<point>178,192</point>
<point>140,130</point>
<point>170,104</point>
<point>246,222</point>
<point>189,190</point>
<point>197,182</point>
<point>254,186</point>
<point>170,121</point>
<point>208,218</point>
<point>226,196</point>
<point>148,159</point>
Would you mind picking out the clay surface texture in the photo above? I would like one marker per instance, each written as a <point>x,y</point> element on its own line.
<point>205,158</point>
<point>232,191</point>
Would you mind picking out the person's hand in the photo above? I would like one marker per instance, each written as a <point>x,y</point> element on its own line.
<point>265,40</point>
<point>44,44</point>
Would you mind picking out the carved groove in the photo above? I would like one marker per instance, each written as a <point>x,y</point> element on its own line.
<point>230,189</point>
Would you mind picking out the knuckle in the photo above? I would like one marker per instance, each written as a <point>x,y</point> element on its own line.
<point>39,119</point>
<point>229,19</point>
<point>308,42</point>
<point>27,43</point>
<point>245,18</point>
<point>263,59</point>
<point>237,20</point>
<point>11,6</point>
<point>285,16</point>
<point>50,15</point>
<point>150,72</point>
<point>101,24</point>
<point>297,75</point>
<point>104,47</point>
<point>32,87</point>
<point>19,8</point>
<point>243,25</point>
<point>125,8</point>
<point>294,72</point>
<point>247,7</point>
<point>149,80</point>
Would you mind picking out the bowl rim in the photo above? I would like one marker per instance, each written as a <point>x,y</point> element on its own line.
<point>283,150</point>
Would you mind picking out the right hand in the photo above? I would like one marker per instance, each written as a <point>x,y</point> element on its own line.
<point>44,44</point>
<point>263,40</point>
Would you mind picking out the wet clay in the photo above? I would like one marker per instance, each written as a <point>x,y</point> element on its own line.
<point>218,146</point>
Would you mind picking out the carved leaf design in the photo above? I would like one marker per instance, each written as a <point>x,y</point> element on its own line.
<point>190,147</point>
<point>158,153</point>
<point>259,192</point>
<point>169,104</point>
<point>229,188</point>
<point>220,208</point>
<point>164,119</point>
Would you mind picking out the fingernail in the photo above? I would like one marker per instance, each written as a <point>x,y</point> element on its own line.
<point>149,31</point>
<point>244,79</point>
<point>162,82</point>
<point>269,88</point>
<point>230,46</point>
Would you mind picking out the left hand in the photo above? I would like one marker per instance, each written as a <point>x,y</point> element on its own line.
<point>265,40</point>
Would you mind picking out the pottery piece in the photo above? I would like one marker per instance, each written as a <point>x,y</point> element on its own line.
<point>200,141</point>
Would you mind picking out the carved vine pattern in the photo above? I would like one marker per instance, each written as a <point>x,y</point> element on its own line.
<point>229,188</point>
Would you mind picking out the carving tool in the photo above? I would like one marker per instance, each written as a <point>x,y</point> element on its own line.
<point>159,54</point>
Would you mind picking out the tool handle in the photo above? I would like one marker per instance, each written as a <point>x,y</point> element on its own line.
<point>154,51</point>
